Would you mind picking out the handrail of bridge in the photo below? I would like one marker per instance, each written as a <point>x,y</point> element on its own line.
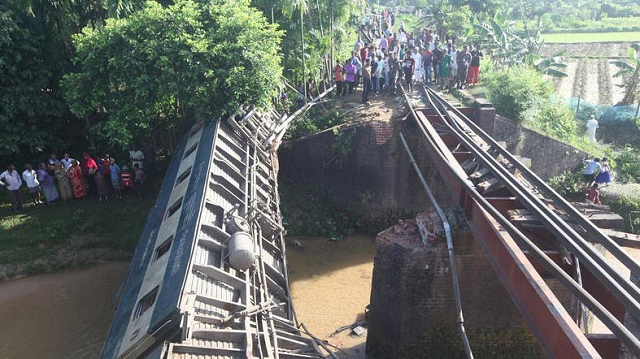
<point>625,336</point>
<point>620,287</point>
<point>558,200</point>
<point>452,257</point>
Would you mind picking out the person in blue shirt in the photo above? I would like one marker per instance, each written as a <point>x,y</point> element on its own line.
<point>590,171</point>
<point>115,177</point>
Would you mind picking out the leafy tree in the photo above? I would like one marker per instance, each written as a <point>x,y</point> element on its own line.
<point>32,115</point>
<point>452,18</point>
<point>163,66</point>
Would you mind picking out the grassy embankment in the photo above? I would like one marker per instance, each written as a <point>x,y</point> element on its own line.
<point>44,238</point>
<point>582,37</point>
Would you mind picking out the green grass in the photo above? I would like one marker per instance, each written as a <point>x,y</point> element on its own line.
<point>582,37</point>
<point>39,232</point>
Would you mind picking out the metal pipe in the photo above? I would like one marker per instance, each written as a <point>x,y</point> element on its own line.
<point>452,258</point>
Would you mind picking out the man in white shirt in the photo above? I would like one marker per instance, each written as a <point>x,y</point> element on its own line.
<point>136,157</point>
<point>66,162</point>
<point>402,37</point>
<point>11,180</point>
<point>417,72</point>
<point>30,177</point>
<point>592,125</point>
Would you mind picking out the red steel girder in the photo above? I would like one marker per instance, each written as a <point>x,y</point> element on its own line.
<point>558,335</point>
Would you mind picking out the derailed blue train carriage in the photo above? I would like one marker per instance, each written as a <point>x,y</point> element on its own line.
<point>208,278</point>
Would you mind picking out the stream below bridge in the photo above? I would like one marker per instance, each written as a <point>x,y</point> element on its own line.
<point>67,314</point>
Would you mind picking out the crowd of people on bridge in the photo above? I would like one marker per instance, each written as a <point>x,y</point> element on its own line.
<point>67,178</point>
<point>388,57</point>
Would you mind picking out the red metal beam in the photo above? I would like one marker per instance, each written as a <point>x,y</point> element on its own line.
<point>606,344</point>
<point>589,282</point>
<point>461,156</point>
<point>557,333</point>
<point>504,204</point>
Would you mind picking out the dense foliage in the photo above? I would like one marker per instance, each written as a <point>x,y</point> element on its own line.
<point>516,90</point>
<point>522,94</point>
<point>32,113</point>
<point>165,65</point>
<point>315,18</point>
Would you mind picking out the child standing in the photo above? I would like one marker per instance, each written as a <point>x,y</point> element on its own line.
<point>114,170</point>
<point>593,195</point>
<point>140,177</point>
<point>126,181</point>
<point>604,177</point>
<point>101,186</point>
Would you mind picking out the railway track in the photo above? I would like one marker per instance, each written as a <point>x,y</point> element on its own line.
<point>493,187</point>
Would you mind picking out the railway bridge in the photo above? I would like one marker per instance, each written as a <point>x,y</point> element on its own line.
<point>209,275</point>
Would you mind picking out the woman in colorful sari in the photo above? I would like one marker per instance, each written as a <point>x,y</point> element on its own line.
<point>47,185</point>
<point>75,173</point>
<point>63,182</point>
<point>445,66</point>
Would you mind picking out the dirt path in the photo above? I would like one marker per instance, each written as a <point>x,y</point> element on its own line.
<point>580,79</point>
<point>591,86</point>
<point>604,79</point>
<point>564,86</point>
<point>384,107</point>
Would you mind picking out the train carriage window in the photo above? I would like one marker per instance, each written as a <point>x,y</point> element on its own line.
<point>195,130</point>
<point>145,303</point>
<point>183,176</point>
<point>174,208</point>
<point>190,150</point>
<point>164,248</point>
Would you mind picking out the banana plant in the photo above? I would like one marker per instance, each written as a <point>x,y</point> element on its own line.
<point>629,69</point>
<point>553,65</point>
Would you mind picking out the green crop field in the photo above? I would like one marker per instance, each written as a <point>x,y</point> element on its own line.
<point>576,37</point>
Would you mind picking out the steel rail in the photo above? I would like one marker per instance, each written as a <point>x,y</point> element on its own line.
<point>621,288</point>
<point>616,327</point>
<point>558,200</point>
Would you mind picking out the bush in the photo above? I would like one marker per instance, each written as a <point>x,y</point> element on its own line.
<point>624,200</point>
<point>313,122</point>
<point>516,90</point>
<point>628,165</point>
<point>552,117</point>
<point>569,185</point>
<point>314,211</point>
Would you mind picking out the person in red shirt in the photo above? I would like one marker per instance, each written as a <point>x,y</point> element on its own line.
<point>105,165</point>
<point>337,70</point>
<point>593,195</point>
<point>89,168</point>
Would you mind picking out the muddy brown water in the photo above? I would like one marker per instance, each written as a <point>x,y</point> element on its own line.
<point>61,315</point>
<point>67,314</point>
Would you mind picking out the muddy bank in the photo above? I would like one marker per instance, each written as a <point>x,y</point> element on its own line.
<point>81,250</point>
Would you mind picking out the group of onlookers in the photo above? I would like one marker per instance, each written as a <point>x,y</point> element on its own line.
<point>392,56</point>
<point>68,178</point>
